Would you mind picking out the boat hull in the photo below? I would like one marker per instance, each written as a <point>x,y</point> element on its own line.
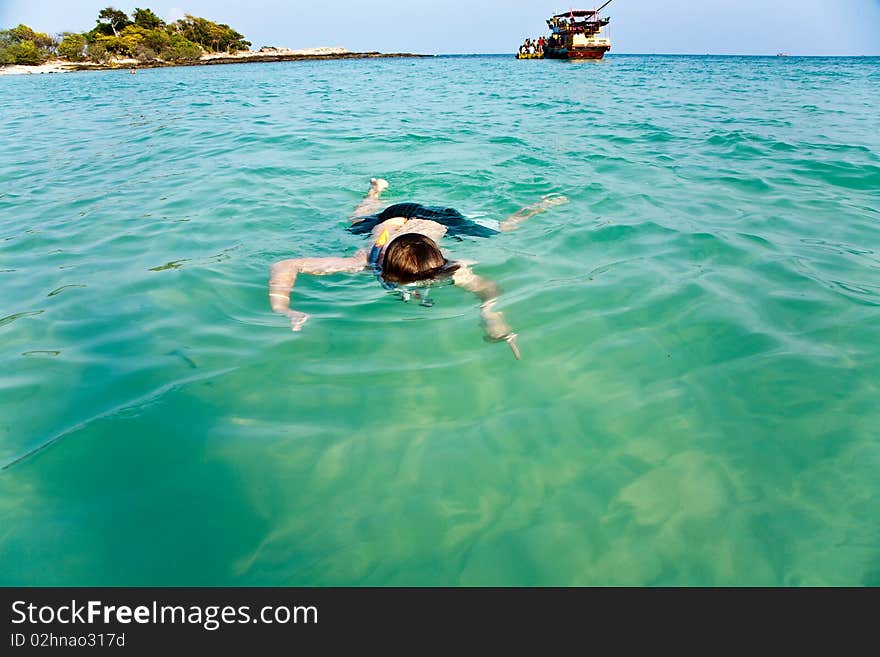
<point>592,52</point>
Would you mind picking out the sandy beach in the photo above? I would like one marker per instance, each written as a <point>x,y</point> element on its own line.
<point>53,66</point>
<point>266,54</point>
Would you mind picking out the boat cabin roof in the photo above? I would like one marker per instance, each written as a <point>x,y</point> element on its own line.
<point>577,13</point>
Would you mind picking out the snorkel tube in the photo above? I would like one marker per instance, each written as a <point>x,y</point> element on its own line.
<point>377,249</point>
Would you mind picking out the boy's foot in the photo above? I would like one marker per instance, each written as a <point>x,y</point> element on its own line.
<point>378,185</point>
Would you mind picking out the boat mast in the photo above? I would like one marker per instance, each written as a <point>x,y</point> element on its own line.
<point>596,16</point>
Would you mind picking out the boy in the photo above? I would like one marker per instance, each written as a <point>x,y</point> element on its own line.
<point>404,253</point>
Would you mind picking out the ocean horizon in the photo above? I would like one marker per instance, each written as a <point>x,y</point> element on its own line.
<point>671,54</point>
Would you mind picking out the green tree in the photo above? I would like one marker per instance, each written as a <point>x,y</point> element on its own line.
<point>22,45</point>
<point>97,52</point>
<point>181,48</point>
<point>40,39</point>
<point>146,19</point>
<point>145,36</point>
<point>72,47</point>
<point>157,40</point>
<point>232,41</point>
<point>6,57</point>
<point>130,39</point>
<point>145,54</point>
<point>26,52</point>
<point>111,20</point>
<point>211,36</point>
<point>47,43</point>
<point>22,33</point>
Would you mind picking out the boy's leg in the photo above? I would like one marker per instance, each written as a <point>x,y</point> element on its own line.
<point>371,203</point>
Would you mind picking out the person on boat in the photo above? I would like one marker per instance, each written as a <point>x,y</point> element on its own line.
<point>406,258</point>
<point>541,44</point>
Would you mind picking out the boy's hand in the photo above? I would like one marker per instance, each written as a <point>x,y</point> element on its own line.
<point>297,319</point>
<point>511,340</point>
<point>497,328</point>
<point>548,201</point>
<point>551,200</point>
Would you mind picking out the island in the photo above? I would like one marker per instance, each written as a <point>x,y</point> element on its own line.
<point>143,40</point>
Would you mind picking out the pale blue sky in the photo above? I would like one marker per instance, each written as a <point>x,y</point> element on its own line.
<point>798,27</point>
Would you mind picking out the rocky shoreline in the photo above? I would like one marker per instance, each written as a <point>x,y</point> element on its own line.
<point>263,56</point>
<point>261,59</point>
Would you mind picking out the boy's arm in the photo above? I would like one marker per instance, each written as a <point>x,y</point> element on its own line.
<point>546,202</point>
<point>283,276</point>
<point>371,203</point>
<point>495,326</point>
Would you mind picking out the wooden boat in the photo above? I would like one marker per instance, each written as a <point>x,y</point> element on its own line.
<point>577,35</point>
<point>530,55</point>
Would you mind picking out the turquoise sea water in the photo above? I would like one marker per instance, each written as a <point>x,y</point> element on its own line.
<point>697,402</point>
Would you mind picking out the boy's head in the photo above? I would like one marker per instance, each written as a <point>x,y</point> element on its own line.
<point>413,257</point>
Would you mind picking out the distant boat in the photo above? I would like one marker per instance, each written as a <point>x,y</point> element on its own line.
<point>782,54</point>
<point>576,34</point>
